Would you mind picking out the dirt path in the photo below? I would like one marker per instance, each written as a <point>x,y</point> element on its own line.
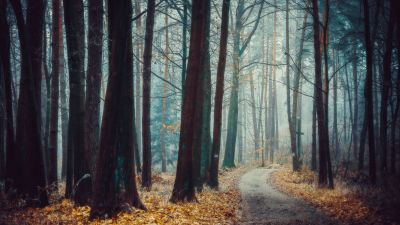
<point>264,204</point>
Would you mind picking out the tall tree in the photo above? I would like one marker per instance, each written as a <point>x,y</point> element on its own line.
<point>387,80</point>
<point>146,133</point>
<point>238,50</point>
<point>164,100</point>
<point>323,141</point>
<point>78,166</point>
<point>93,81</point>
<point>138,70</point>
<point>219,96</point>
<point>368,95</point>
<point>114,181</point>
<point>11,157</point>
<point>31,171</point>
<point>55,48</point>
<point>191,120</point>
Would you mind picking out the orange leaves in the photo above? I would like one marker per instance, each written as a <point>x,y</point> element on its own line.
<point>343,206</point>
<point>214,207</point>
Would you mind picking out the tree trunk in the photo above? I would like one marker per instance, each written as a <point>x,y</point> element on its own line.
<point>64,107</point>
<point>205,144</point>
<point>256,131</point>
<point>164,100</point>
<point>355,128</point>
<point>386,79</point>
<point>323,140</point>
<point>138,110</point>
<point>191,120</point>
<point>32,165</point>
<point>55,48</point>
<point>114,181</point>
<point>219,95</point>
<point>368,96</point>
<point>146,133</point>
<point>93,82</point>
<point>74,25</point>
<point>11,157</point>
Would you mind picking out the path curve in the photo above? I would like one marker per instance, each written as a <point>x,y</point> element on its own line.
<point>264,204</point>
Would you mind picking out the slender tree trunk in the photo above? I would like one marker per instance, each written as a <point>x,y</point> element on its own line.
<point>55,48</point>
<point>219,95</point>
<point>191,119</point>
<point>355,128</point>
<point>205,144</point>
<point>314,136</point>
<point>256,131</point>
<point>63,102</point>
<point>368,96</point>
<point>387,79</point>
<point>146,133</point>
<point>93,81</point>
<point>114,181</point>
<point>164,100</point>
<point>184,45</point>
<point>323,141</point>
<point>139,71</point>
<point>74,25</point>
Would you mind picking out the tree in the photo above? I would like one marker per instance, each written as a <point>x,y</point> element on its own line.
<point>219,95</point>
<point>146,133</point>
<point>164,100</point>
<point>11,157</point>
<point>114,187</point>
<point>191,119</point>
<point>368,95</point>
<point>93,81</point>
<point>55,48</point>
<point>77,164</point>
<point>323,141</point>
<point>238,50</point>
<point>31,168</point>
<point>387,80</point>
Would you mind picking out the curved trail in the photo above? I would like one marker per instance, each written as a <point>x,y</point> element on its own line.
<point>263,204</point>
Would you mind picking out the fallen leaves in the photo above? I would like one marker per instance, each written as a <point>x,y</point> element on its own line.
<point>336,203</point>
<point>214,207</point>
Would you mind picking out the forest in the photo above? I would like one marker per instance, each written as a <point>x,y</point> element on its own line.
<point>199,112</point>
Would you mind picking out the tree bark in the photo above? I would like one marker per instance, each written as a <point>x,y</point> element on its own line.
<point>368,96</point>
<point>55,48</point>
<point>387,80</point>
<point>146,133</point>
<point>32,166</point>
<point>11,157</point>
<point>93,81</point>
<point>74,25</point>
<point>219,95</point>
<point>114,181</point>
<point>191,119</point>
<point>323,140</point>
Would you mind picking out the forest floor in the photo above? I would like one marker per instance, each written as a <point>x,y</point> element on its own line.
<point>264,204</point>
<point>352,201</point>
<point>214,207</point>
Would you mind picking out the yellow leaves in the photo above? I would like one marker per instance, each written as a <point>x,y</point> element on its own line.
<point>343,206</point>
<point>173,128</point>
<point>214,207</point>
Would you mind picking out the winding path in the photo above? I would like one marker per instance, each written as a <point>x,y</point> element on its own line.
<point>263,204</point>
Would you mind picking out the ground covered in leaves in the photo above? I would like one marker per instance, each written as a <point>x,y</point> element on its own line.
<point>214,207</point>
<point>350,203</point>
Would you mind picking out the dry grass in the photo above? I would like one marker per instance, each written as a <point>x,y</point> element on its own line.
<point>346,203</point>
<point>214,207</point>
